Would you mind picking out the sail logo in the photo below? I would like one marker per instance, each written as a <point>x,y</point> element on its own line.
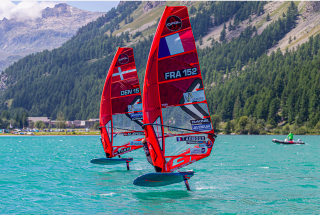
<point>136,116</point>
<point>200,121</point>
<point>209,144</point>
<point>203,127</point>
<point>123,59</point>
<point>197,151</point>
<point>195,96</point>
<point>122,151</point>
<point>191,138</point>
<point>173,23</point>
<point>136,143</point>
<point>180,73</point>
<point>133,133</point>
<point>136,107</point>
<point>196,142</point>
<point>129,92</point>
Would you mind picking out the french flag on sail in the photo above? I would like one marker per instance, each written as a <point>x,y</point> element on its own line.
<point>176,43</point>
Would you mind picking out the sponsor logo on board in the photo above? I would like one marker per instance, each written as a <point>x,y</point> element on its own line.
<point>200,121</point>
<point>136,116</point>
<point>129,92</point>
<point>191,138</point>
<point>136,143</point>
<point>203,127</point>
<point>173,23</point>
<point>122,151</point>
<point>123,58</point>
<point>197,151</point>
<point>136,107</point>
<point>180,73</point>
<point>195,96</point>
<point>202,145</point>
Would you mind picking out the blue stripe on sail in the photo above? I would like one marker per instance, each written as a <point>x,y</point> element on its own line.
<point>174,44</point>
<point>163,49</point>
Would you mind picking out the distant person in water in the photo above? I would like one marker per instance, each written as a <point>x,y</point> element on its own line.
<point>290,136</point>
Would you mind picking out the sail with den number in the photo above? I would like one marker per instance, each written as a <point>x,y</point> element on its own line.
<point>120,110</point>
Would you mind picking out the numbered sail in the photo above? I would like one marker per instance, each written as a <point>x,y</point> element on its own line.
<point>175,110</point>
<point>121,107</point>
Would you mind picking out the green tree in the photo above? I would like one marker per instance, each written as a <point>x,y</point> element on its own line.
<point>38,124</point>
<point>268,17</point>
<point>60,122</point>
<point>200,40</point>
<point>31,124</point>
<point>223,33</point>
<point>215,121</point>
<point>227,127</point>
<point>243,122</point>
<point>24,119</point>
<point>43,126</point>
<point>96,126</point>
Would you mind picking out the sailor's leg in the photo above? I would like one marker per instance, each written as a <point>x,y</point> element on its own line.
<point>128,168</point>
<point>186,182</point>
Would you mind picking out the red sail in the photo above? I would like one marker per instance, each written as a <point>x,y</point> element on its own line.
<point>174,97</point>
<point>121,108</point>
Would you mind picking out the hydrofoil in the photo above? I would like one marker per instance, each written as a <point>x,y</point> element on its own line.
<point>112,161</point>
<point>158,179</point>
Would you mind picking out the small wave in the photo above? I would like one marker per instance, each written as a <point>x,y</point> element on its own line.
<point>264,167</point>
<point>107,194</point>
<point>205,187</point>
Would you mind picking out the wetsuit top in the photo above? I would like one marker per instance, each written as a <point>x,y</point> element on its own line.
<point>290,136</point>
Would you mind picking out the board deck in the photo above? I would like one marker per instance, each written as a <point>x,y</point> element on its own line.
<point>161,179</point>
<point>110,161</point>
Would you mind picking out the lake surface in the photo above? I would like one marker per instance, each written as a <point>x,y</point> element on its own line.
<point>244,174</point>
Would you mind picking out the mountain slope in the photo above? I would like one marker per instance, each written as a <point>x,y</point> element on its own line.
<point>19,38</point>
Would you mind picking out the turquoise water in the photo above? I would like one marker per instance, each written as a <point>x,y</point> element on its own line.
<point>244,174</point>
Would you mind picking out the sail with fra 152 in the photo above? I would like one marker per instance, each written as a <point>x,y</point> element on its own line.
<point>120,110</point>
<point>177,121</point>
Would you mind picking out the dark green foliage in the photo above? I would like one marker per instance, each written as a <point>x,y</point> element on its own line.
<point>222,11</point>
<point>137,34</point>
<point>268,17</point>
<point>227,128</point>
<point>277,87</point>
<point>223,34</point>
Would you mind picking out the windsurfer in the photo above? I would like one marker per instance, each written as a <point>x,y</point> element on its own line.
<point>290,136</point>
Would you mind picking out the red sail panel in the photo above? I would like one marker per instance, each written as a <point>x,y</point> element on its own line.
<point>174,94</point>
<point>120,103</point>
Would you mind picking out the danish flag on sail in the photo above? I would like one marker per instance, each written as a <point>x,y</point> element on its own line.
<point>174,96</point>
